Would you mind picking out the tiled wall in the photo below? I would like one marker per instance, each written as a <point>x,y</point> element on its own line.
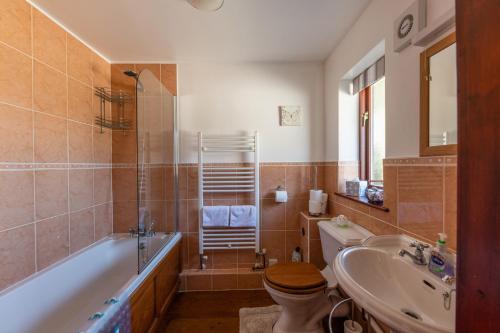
<point>55,167</point>
<point>419,192</point>
<point>161,177</point>
<point>279,225</point>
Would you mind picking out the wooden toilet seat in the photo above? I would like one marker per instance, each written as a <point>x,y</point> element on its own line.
<point>295,278</point>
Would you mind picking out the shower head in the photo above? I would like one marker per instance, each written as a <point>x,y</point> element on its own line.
<point>131,73</point>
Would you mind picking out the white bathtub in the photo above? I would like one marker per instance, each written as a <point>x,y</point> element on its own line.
<point>62,297</point>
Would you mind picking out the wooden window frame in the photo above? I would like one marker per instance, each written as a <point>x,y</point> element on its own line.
<point>365,112</point>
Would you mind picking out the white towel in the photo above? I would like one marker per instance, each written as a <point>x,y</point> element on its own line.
<point>216,216</point>
<point>243,216</point>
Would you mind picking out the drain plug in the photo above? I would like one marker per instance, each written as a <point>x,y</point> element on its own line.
<point>412,314</point>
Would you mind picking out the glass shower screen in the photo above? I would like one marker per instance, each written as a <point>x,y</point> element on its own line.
<point>156,166</point>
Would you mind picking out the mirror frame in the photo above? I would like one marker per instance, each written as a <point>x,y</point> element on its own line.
<point>425,149</point>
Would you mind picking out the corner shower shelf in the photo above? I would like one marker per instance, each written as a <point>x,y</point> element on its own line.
<point>118,97</point>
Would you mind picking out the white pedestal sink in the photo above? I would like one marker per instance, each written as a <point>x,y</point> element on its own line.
<point>403,295</point>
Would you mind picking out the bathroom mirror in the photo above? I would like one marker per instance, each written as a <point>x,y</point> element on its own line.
<point>438,98</point>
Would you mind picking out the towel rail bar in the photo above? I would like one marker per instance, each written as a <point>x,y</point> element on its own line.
<point>213,178</point>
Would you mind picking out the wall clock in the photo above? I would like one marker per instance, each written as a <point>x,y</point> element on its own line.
<point>411,21</point>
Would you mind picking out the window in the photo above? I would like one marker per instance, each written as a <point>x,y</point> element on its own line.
<point>372,132</point>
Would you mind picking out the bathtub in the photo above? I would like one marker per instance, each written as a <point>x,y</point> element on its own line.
<point>62,297</point>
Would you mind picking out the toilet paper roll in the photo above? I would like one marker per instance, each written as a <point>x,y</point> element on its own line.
<point>281,196</point>
<point>323,207</point>
<point>315,195</point>
<point>314,207</point>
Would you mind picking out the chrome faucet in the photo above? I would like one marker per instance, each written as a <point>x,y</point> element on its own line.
<point>418,257</point>
<point>150,232</point>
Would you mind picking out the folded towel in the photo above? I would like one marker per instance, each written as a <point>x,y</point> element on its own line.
<point>243,216</point>
<point>216,216</point>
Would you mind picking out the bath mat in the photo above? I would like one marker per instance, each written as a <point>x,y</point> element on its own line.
<point>259,320</point>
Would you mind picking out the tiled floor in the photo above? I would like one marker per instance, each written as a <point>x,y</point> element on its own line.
<point>211,311</point>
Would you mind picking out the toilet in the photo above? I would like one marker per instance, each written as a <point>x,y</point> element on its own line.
<point>305,293</point>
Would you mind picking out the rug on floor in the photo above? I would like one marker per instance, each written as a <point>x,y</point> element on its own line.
<point>259,320</point>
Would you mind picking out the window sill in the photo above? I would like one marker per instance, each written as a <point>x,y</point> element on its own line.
<point>364,201</point>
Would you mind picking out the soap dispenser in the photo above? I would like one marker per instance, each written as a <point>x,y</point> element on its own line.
<point>438,263</point>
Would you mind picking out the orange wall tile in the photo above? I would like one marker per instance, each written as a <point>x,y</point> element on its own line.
<point>46,123</point>
<point>420,194</point>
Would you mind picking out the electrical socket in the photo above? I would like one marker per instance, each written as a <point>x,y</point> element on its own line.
<point>273,261</point>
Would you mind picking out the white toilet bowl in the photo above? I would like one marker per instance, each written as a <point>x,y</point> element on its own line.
<point>301,313</point>
<point>306,294</point>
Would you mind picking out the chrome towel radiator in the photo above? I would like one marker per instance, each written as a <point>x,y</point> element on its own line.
<point>220,178</point>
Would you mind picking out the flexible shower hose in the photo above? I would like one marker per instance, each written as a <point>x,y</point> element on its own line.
<point>333,310</point>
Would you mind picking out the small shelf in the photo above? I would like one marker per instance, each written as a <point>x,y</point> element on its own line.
<point>364,201</point>
<point>113,96</point>
<point>119,97</point>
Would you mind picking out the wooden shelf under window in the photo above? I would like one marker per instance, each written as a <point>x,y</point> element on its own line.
<point>364,201</point>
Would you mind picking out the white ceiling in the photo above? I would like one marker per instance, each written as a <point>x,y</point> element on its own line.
<point>173,31</point>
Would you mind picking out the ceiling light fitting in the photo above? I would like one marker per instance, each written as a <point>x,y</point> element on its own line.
<point>206,5</point>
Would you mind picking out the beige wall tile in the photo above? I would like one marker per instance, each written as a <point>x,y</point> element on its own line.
<point>274,243</point>
<point>15,77</point>
<point>50,139</point>
<point>273,215</point>
<point>293,208</point>
<point>124,216</point>
<point>17,255</point>
<point>102,186</point>
<point>193,251</point>
<point>420,207</point>
<point>298,180</point>
<point>51,193</point>
<point>52,240</point>
<point>80,142</point>
<point>331,182</point>
<point>450,204</point>
<point>16,198</point>
<point>292,241</point>
<point>103,220</point>
<point>125,184</point>
<point>200,282</point>
<point>192,175</point>
<point>50,90</point>
<point>80,189</point>
<point>249,280</point>
<point>124,147</point>
<point>78,60</point>
<point>224,259</point>
<point>101,71</point>
<point>81,229</point>
<point>316,254</point>
<point>15,25</point>
<point>49,41</point>
<point>193,216</point>
<point>102,145</point>
<point>270,178</point>
<point>80,102</point>
<point>225,281</point>
<point>16,134</point>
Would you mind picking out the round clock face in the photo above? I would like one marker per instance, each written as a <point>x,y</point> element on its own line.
<point>405,26</point>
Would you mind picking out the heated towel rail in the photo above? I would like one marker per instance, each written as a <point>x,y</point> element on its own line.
<point>222,178</point>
